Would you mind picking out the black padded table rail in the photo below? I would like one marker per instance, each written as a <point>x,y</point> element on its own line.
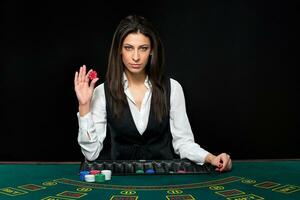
<point>138,167</point>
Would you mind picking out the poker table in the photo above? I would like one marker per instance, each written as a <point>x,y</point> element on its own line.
<point>249,179</point>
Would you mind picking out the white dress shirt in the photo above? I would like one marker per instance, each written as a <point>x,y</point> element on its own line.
<point>92,126</point>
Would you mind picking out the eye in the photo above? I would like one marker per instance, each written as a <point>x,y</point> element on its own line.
<point>144,48</point>
<point>128,48</point>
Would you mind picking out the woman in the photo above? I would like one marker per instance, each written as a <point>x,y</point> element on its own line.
<point>137,109</point>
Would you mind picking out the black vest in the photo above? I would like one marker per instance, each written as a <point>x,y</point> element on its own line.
<point>124,142</point>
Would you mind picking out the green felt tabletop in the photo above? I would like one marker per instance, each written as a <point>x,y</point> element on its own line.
<point>248,180</point>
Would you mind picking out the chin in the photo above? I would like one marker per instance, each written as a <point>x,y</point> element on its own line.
<point>136,71</point>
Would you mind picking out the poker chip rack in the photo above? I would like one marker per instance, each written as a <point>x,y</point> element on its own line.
<point>139,167</point>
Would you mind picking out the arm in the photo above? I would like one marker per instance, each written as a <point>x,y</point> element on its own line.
<point>92,126</point>
<point>91,115</point>
<point>183,138</point>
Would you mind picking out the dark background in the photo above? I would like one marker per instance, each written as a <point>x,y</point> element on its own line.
<point>236,61</point>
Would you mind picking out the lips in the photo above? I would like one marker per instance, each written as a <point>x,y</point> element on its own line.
<point>135,65</point>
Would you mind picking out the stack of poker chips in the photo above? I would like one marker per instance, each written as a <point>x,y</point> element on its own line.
<point>95,176</point>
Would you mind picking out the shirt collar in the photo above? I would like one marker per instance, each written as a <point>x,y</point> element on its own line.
<point>125,82</point>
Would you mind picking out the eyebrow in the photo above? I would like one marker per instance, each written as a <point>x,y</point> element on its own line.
<point>126,44</point>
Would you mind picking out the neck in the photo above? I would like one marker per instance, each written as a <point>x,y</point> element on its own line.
<point>135,79</point>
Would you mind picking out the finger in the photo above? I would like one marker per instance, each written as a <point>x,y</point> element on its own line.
<point>219,162</point>
<point>79,75</point>
<point>83,73</point>
<point>86,78</point>
<point>229,166</point>
<point>225,163</point>
<point>93,82</point>
<point>84,70</point>
<point>75,78</point>
<point>222,168</point>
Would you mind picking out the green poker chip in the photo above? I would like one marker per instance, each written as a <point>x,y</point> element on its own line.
<point>100,178</point>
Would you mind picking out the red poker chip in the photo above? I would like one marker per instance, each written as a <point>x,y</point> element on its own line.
<point>92,75</point>
<point>94,172</point>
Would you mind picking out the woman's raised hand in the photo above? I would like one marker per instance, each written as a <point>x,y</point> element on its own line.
<point>83,86</point>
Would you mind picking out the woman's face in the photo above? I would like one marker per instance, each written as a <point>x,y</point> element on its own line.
<point>136,49</point>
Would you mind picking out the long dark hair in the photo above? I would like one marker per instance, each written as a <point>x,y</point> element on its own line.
<point>154,68</point>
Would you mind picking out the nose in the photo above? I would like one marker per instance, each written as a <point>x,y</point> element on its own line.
<point>135,56</point>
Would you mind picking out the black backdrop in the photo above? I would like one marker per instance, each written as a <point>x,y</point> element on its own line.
<point>236,61</point>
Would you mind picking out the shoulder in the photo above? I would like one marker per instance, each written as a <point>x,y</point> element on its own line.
<point>177,95</point>
<point>175,85</point>
<point>99,91</point>
<point>98,100</point>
